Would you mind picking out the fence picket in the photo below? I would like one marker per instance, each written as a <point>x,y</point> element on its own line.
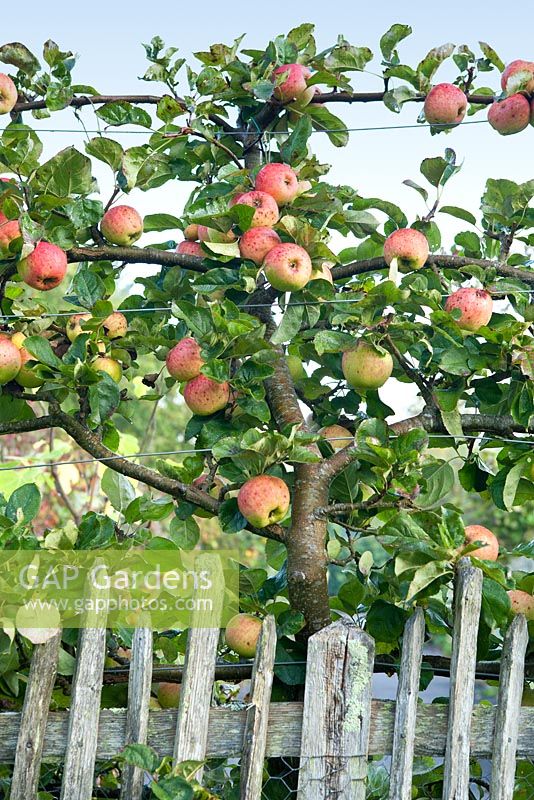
<point>25,781</point>
<point>337,714</point>
<point>508,710</point>
<point>400,786</point>
<point>467,602</point>
<point>138,709</point>
<point>255,737</point>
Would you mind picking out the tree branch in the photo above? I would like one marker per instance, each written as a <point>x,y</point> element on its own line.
<point>378,97</point>
<point>137,255</point>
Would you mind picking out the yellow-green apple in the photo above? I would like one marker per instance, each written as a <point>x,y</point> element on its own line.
<point>287,267</point>
<point>445,104</point>
<point>153,704</point>
<point>242,634</point>
<point>278,180</point>
<point>18,339</point>
<point>169,695</point>
<point>408,246</point>
<point>511,115</point>
<point>26,377</point>
<point>522,603</point>
<point>44,268</point>
<point>73,327</point>
<point>525,68</point>
<point>184,360</point>
<point>8,94</point>
<point>490,544</point>
<point>10,360</point>
<point>115,326</point>
<point>122,225</point>
<point>191,249</point>
<point>206,234</point>
<point>366,367</point>
<point>204,396</point>
<point>323,273</point>
<point>109,366</point>
<point>257,242</point>
<point>263,500</point>
<point>9,231</point>
<point>337,436</point>
<point>475,305</point>
<point>266,213</point>
<point>191,232</point>
<point>293,83</point>
<point>296,368</point>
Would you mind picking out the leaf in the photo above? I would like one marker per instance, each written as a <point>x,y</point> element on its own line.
<point>65,174</point>
<point>24,503</point>
<point>185,533</point>
<point>423,192</point>
<point>347,57</point>
<point>459,213</point>
<point>295,147</point>
<point>511,483</point>
<point>87,287</point>
<point>230,518</point>
<point>392,37</point>
<point>142,756</point>
<point>333,342</point>
<point>95,531</point>
<point>495,603</point>
<point>385,622</point>
<point>324,120</point>
<point>439,480</point>
<point>122,113</point>
<point>117,489</point>
<point>105,149</point>
<point>19,56</point>
<point>160,222</point>
<point>426,575</point>
<point>40,349</point>
<point>104,397</point>
<point>492,56</point>
<point>290,324</point>
<point>452,420</point>
<point>428,66</point>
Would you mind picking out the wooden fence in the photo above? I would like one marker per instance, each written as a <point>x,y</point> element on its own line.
<point>332,732</point>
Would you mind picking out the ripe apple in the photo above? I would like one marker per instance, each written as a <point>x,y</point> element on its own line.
<point>44,268</point>
<point>257,242</point>
<point>242,634</point>
<point>476,307</point>
<point>278,180</point>
<point>191,232</point>
<point>169,695</point>
<point>266,214</point>
<point>365,367</point>
<point>10,360</point>
<point>9,231</point>
<point>478,533</point>
<point>234,201</point>
<point>206,234</point>
<point>263,500</point>
<point>511,115</point>
<point>338,437</point>
<point>294,84</point>
<point>409,247</point>
<point>122,225</point>
<point>205,396</point>
<point>445,104</point>
<point>73,327</point>
<point>8,94</point>
<point>184,360</point>
<point>26,377</point>
<point>287,267</point>
<point>115,326</point>
<point>191,249</point>
<point>522,603</point>
<point>18,339</point>
<point>519,65</point>
<point>108,365</point>
<point>324,274</point>
<point>296,368</point>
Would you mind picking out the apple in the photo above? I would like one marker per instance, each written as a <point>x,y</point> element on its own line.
<point>522,603</point>
<point>257,242</point>
<point>73,327</point>
<point>214,491</point>
<point>263,500</point>
<point>296,368</point>
<point>511,115</point>
<point>191,232</point>
<point>478,533</point>
<point>109,366</point>
<point>324,273</point>
<point>366,367</point>
<point>169,695</point>
<point>445,104</point>
<point>234,201</point>
<point>287,267</point>
<point>475,305</point>
<point>242,634</point>
<point>9,231</point>
<point>122,225</point>
<point>8,94</point>
<point>409,247</point>
<point>519,65</point>
<point>304,186</point>
<point>10,360</point>
<point>18,339</point>
<point>206,234</point>
<point>278,180</point>
<point>337,436</point>
<point>26,377</point>
<point>45,267</point>
<point>205,396</point>
<point>184,360</point>
<point>191,249</point>
<point>115,326</point>
<point>266,214</point>
<point>294,83</point>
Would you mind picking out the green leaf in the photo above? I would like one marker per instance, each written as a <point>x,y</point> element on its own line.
<point>185,533</point>
<point>385,622</point>
<point>142,756</point>
<point>495,603</point>
<point>428,66</point>
<point>104,397</point>
<point>117,489</point>
<point>95,531</point>
<point>107,150</point>
<point>290,324</point>
<point>24,503</point>
<point>347,57</point>
<point>230,518</point>
<point>40,349</point>
<point>295,147</point>
<point>511,483</point>
<point>459,213</point>
<point>492,56</point>
<point>174,788</point>
<point>324,120</point>
<point>439,480</point>
<point>19,56</point>
<point>160,222</point>
<point>65,174</point>
<point>332,342</point>
<point>426,575</point>
<point>122,113</point>
<point>392,37</point>
<point>87,287</point>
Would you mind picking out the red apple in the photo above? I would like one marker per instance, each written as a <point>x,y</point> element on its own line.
<point>278,180</point>
<point>9,231</point>
<point>205,396</point>
<point>191,249</point>
<point>242,634</point>
<point>26,377</point>
<point>109,366</point>
<point>10,360</point>
<point>408,246</point>
<point>44,268</point>
<point>524,67</point>
<point>115,326</point>
<point>445,104</point>
<point>206,234</point>
<point>490,544</point>
<point>266,214</point>
<point>365,367</point>
<point>169,695</point>
<point>122,225</point>
<point>287,267</point>
<point>263,500</point>
<point>294,83</point>
<point>8,94</point>
<point>511,115</point>
<point>475,305</point>
<point>257,242</point>
<point>522,603</point>
<point>184,361</point>
<point>191,232</point>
